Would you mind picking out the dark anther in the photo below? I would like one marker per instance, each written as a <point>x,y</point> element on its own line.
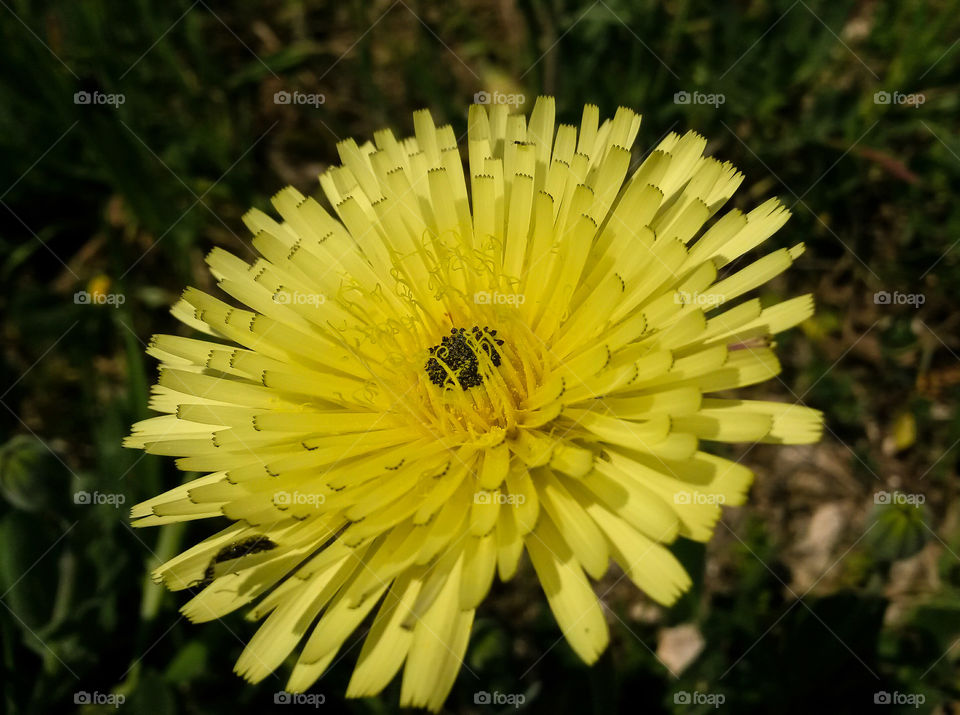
<point>455,352</point>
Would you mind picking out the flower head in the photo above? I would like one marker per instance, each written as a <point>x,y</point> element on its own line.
<point>406,395</point>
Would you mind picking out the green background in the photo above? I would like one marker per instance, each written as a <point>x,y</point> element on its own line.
<point>811,598</point>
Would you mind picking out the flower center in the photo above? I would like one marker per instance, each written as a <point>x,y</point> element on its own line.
<point>456,360</point>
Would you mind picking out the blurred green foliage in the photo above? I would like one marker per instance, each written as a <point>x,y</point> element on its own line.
<point>131,196</point>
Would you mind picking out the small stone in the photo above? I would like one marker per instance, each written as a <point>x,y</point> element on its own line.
<point>679,646</point>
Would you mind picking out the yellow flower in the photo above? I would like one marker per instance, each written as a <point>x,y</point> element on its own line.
<point>431,382</point>
<point>97,288</point>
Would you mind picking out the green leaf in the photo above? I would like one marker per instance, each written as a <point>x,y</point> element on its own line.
<point>898,530</point>
<point>189,664</point>
<point>31,476</point>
